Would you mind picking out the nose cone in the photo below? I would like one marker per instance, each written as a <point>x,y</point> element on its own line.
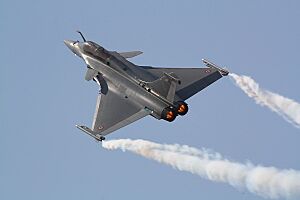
<point>73,46</point>
<point>69,44</point>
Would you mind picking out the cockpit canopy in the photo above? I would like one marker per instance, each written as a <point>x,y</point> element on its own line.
<point>94,45</point>
<point>96,51</point>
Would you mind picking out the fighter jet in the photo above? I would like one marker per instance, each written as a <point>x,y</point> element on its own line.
<point>129,92</point>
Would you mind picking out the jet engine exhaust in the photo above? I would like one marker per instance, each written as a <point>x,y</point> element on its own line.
<point>169,114</point>
<point>182,108</point>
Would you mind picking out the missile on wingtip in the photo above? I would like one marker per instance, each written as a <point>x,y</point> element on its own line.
<point>88,131</point>
<point>223,72</point>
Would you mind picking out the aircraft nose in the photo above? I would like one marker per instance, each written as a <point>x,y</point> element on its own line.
<point>69,44</point>
<point>74,48</point>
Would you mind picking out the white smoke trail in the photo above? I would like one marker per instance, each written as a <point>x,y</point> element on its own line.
<point>285,107</point>
<point>267,182</point>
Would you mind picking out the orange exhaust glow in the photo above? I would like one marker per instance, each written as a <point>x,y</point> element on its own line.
<point>170,115</point>
<point>182,108</point>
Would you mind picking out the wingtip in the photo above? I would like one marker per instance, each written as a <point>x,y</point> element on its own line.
<point>223,72</point>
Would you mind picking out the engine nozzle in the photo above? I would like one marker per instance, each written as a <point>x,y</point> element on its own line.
<point>182,108</point>
<point>169,114</point>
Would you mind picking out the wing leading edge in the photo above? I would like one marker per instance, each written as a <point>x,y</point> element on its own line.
<point>192,80</point>
<point>113,112</point>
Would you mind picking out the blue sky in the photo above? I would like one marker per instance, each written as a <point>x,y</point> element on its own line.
<point>44,94</point>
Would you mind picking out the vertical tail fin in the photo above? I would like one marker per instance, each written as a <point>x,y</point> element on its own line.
<point>166,86</point>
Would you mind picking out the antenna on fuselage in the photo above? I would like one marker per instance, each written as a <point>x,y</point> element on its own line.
<point>81,35</point>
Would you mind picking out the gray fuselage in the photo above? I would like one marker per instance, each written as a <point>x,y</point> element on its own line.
<point>126,80</point>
